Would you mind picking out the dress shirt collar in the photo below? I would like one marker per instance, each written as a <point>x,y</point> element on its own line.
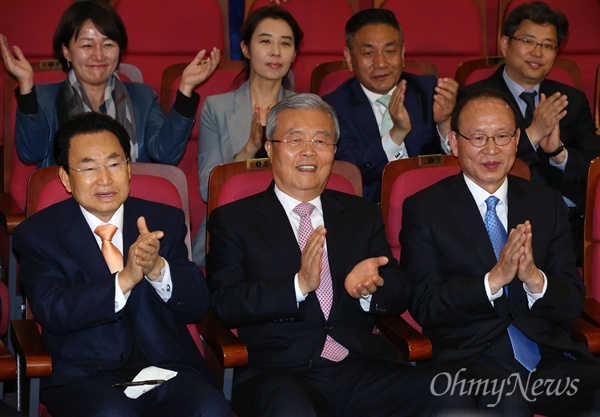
<point>372,97</point>
<point>115,220</point>
<point>516,90</point>
<point>93,221</point>
<point>289,203</point>
<point>480,195</point>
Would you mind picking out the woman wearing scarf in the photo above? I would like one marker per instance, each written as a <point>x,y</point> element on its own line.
<point>89,41</point>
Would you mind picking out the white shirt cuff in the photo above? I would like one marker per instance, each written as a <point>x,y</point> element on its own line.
<point>299,296</point>
<point>532,298</point>
<point>488,291</point>
<point>164,284</point>
<point>444,142</point>
<point>392,150</point>
<point>120,298</point>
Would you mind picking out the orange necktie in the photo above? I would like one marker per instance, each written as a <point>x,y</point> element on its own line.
<point>112,255</point>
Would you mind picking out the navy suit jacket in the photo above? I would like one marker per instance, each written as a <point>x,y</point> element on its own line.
<point>577,132</point>
<point>446,253</point>
<point>71,292</point>
<point>253,258</point>
<point>360,141</point>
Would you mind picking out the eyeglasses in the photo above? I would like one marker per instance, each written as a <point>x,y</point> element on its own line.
<point>298,143</point>
<point>115,167</point>
<point>479,140</point>
<point>546,46</point>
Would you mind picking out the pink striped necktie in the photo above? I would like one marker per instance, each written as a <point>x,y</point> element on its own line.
<point>332,350</point>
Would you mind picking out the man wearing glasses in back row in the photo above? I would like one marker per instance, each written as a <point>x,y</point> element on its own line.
<point>558,138</point>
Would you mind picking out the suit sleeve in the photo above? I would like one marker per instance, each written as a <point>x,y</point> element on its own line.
<point>563,300</point>
<point>166,136</point>
<point>441,294</point>
<point>33,134</point>
<point>243,289</point>
<point>581,141</point>
<point>189,300</point>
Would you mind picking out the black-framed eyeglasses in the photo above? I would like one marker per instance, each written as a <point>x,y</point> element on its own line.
<point>479,140</point>
<point>92,171</point>
<point>297,143</point>
<point>546,46</point>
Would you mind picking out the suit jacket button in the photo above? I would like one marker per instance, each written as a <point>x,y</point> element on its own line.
<point>122,356</point>
<point>328,327</point>
<point>511,317</point>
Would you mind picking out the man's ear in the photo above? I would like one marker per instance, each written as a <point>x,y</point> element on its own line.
<point>504,40</point>
<point>64,178</point>
<point>348,58</point>
<point>453,142</point>
<point>268,148</point>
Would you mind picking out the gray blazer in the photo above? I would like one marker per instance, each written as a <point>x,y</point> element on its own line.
<point>224,129</point>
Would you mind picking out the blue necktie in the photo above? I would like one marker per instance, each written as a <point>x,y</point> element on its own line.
<point>526,351</point>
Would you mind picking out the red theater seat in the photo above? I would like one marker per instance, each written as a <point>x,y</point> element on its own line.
<point>443,32</point>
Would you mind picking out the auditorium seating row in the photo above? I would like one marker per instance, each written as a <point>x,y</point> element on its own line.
<point>230,182</point>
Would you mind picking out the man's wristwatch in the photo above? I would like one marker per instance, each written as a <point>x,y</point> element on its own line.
<point>558,150</point>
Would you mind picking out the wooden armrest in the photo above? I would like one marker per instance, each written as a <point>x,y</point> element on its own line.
<point>591,311</point>
<point>413,344</point>
<point>29,345</point>
<point>11,214</point>
<point>230,351</point>
<point>8,364</point>
<point>586,332</point>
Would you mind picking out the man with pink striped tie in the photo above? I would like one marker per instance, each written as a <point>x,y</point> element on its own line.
<point>301,271</point>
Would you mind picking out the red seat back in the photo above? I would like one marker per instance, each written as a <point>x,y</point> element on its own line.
<point>591,238</point>
<point>162,33</point>
<point>422,20</point>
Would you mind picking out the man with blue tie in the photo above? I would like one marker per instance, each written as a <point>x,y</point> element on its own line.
<point>493,272</point>
<point>558,136</point>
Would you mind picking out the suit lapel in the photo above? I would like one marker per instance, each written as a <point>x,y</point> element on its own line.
<point>468,218</point>
<point>275,229</point>
<point>362,113</point>
<point>240,121</point>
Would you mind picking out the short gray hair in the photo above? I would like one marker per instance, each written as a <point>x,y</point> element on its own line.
<point>300,102</point>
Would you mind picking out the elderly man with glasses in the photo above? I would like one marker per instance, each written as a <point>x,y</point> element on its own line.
<point>494,279</point>
<point>558,136</point>
<point>108,278</point>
